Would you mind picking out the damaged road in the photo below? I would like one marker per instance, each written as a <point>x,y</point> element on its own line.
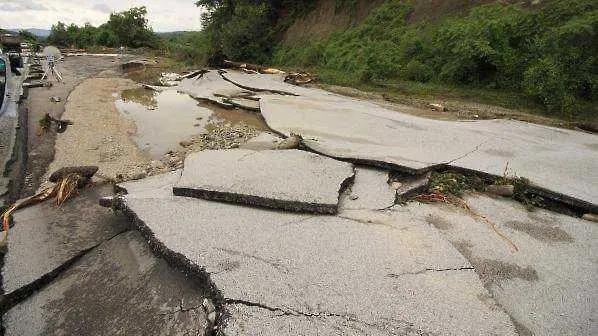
<point>303,235</point>
<point>372,277</point>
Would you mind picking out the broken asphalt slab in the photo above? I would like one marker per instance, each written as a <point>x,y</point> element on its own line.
<point>263,83</point>
<point>211,86</point>
<point>549,285</point>
<point>370,190</point>
<point>309,269</point>
<point>157,185</point>
<point>292,180</point>
<point>559,160</point>
<point>45,239</point>
<point>118,288</point>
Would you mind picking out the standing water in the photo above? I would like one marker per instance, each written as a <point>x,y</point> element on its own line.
<point>162,119</point>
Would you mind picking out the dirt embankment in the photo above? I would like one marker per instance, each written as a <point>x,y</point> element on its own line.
<point>330,16</point>
<point>326,18</point>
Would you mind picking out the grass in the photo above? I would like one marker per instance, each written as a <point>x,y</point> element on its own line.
<point>464,101</point>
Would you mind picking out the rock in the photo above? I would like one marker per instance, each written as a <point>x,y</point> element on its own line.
<point>212,317</point>
<point>291,142</point>
<point>591,217</point>
<point>505,190</point>
<point>208,306</point>
<point>106,201</point>
<point>185,143</point>
<point>437,107</point>
<point>409,185</point>
<point>156,164</point>
<point>137,175</point>
<point>263,141</point>
<point>396,185</point>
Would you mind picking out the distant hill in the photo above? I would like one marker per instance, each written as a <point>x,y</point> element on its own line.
<point>171,33</point>
<point>35,31</point>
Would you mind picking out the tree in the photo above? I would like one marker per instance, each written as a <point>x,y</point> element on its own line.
<point>131,29</point>
<point>28,36</point>
<point>58,34</point>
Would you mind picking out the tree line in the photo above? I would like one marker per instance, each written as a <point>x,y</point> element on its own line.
<point>128,28</point>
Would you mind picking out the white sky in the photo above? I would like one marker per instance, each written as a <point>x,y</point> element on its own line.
<point>163,15</point>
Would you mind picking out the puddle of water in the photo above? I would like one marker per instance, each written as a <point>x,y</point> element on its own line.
<point>235,116</point>
<point>162,118</point>
<point>141,95</point>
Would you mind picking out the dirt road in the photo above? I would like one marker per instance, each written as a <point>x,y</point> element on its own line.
<point>74,70</point>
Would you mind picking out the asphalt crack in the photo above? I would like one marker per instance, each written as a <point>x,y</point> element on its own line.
<point>19,295</point>
<point>406,325</point>
<point>476,148</point>
<point>284,312</point>
<point>467,268</point>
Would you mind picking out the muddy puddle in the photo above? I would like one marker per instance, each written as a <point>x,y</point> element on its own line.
<point>237,116</point>
<point>162,119</point>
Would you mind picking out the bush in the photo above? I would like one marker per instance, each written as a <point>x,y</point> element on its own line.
<point>544,80</point>
<point>417,71</point>
<point>550,52</point>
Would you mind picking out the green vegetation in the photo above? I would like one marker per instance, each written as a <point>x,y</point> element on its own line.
<point>188,47</point>
<point>542,56</point>
<point>549,54</point>
<point>248,30</point>
<point>28,37</point>
<point>455,184</point>
<point>127,28</point>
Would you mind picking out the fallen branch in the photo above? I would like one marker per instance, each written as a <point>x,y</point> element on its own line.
<point>252,67</point>
<point>46,121</point>
<point>69,180</point>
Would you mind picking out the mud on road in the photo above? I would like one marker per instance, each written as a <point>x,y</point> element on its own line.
<point>40,148</point>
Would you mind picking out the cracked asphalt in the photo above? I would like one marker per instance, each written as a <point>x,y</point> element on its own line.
<point>370,267</point>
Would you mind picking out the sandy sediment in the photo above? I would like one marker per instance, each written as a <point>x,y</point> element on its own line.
<point>98,136</point>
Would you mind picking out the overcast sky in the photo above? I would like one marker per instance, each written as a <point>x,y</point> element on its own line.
<point>163,15</point>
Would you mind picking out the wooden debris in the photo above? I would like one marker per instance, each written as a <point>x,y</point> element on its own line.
<point>68,181</point>
<point>300,78</point>
<point>47,120</point>
<point>253,68</point>
<point>84,171</point>
<point>591,217</point>
<point>438,107</point>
